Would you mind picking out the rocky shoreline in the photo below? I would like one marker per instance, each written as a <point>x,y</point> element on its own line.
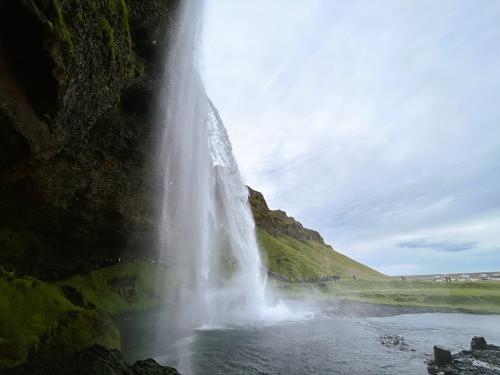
<point>481,359</point>
<point>95,360</point>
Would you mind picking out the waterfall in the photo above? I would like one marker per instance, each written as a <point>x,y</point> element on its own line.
<point>207,232</point>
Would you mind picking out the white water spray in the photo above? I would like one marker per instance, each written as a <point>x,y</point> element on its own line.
<point>207,229</point>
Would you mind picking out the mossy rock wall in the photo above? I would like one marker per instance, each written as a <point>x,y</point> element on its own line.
<point>77,89</point>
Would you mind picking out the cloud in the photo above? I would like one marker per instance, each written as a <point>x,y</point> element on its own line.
<point>438,246</point>
<point>371,122</point>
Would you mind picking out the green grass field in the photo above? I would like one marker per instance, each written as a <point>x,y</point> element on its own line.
<point>473,297</point>
<point>295,259</point>
<point>286,256</point>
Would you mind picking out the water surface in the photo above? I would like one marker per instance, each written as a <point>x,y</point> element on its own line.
<point>323,344</point>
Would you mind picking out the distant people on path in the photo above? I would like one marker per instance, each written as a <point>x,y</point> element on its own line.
<point>310,279</point>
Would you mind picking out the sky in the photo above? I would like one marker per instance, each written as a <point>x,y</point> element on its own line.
<point>375,122</point>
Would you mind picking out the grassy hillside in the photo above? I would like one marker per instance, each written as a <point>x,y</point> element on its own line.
<point>293,251</point>
<point>287,256</point>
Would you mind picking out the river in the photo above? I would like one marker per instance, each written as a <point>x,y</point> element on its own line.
<point>324,343</point>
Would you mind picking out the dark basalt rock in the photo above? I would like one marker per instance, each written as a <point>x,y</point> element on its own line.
<point>483,359</point>
<point>77,82</point>
<point>442,356</point>
<point>95,360</point>
<point>77,134</point>
<point>478,343</point>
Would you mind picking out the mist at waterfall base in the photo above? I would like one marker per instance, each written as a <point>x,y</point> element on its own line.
<point>207,233</point>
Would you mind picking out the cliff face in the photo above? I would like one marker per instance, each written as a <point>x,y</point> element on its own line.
<point>277,223</point>
<point>292,252</point>
<point>77,89</point>
<point>77,82</point>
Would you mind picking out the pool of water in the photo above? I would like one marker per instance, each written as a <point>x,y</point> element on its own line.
<point>321,344</point>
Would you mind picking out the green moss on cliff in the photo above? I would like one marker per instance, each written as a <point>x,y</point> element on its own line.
<point>59,25</point>
<point>28,309</point>
<point>77,330</point>
<point>117,9</point>
<point>109,34</point>
<point>124,287</point>
<point>56,318</point>
<point>131,60</point>
<point>60,21</point>
<point>82,122</point>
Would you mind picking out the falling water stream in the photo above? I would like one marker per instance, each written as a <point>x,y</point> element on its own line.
<point>207,229</point>
<point>207,238</point>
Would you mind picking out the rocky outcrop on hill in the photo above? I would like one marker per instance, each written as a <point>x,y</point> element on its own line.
<point>276,222</point>
<point>76,89</point>
<point>297,254</point>
<point>95,360</point>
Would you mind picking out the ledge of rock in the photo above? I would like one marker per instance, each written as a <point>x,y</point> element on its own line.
<point>95,360</point>
<point>277,222</point>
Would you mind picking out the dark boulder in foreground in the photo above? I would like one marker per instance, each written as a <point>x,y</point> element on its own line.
<point>442,356</point>
<point>95,360</point>
<point>482,359</point>
<point>478,343</point>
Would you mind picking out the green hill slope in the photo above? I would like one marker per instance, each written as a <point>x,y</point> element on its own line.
<point>293,251</point>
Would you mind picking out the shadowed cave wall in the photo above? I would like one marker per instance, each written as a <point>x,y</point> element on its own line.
<point>77,83</point>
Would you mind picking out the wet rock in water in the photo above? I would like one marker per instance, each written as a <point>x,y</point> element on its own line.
<point>396,341</point>
<point>483,359</point>
<point>95,360</point>
<point>478,343</point>
<point>441,356</point>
